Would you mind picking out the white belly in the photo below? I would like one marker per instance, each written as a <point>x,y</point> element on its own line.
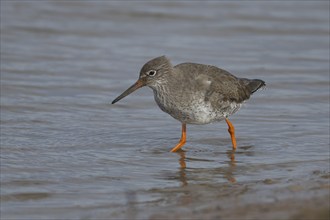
<point>196,111</point>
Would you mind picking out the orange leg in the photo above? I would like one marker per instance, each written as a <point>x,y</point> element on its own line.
<point>182,140</point>
<point>231,131</point>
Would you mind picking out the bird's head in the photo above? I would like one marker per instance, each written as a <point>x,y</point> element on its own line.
<point>152,74</point>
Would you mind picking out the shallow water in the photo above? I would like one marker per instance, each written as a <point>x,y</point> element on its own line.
<point>66,152</point>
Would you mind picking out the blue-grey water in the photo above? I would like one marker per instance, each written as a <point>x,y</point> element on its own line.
<point>67,153</point>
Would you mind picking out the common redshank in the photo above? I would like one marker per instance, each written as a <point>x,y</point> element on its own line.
<point>194,93</point>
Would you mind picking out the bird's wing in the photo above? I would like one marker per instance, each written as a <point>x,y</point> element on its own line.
<point>216,83</point>
<point>226,86</point>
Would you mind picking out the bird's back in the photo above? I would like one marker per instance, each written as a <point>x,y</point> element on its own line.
<point>217,82</point>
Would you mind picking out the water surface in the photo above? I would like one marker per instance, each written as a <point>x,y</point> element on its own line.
<point>66,152</point>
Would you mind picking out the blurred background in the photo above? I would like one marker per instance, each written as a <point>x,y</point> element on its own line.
<point>66,152</point>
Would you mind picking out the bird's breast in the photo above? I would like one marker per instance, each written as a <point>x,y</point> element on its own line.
<point>191,110</point>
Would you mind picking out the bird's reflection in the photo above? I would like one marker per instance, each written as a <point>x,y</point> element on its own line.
<point>182,160</point>
<point>182,172</point>
<point>232,166</point>
<point>228,173</point>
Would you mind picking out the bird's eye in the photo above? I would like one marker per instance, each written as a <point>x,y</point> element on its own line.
<point>151,72</point>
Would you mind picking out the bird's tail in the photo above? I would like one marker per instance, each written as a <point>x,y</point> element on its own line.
<point>253,85</point>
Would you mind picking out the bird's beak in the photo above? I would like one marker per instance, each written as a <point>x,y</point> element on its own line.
<point>138,84</point>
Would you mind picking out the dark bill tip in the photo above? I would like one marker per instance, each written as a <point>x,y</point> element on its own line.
<point>128,91</point>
